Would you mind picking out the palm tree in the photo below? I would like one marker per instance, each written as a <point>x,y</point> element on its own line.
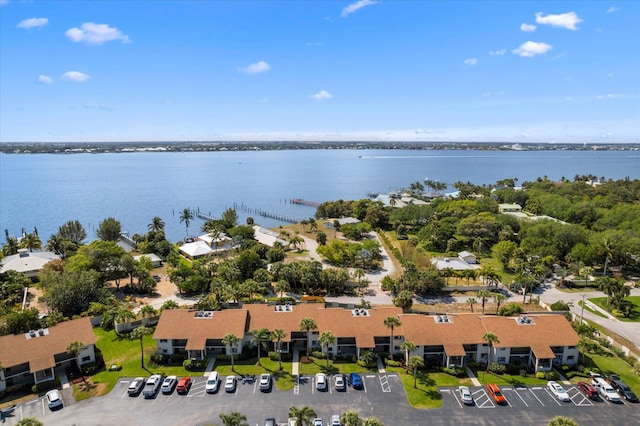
<point>327,339</point>
<point>139,333</point>
<point>484,295</point>
<point>231,340</point>
<point>258,336</point>
<point>186,217</point>
<point>586,271</point>
<point>157,224</point>
<point>234,419</point>
<point>313,226</point>
<point>75,348</point>
<point>471,301</point>
<point>408,346</point>
<point>391,323</point>
<point>278,334</point>
<point>11,247</point>
<point>148,311</point>
<point>282,286</point>
<point>31,241</point>
<point>308,324</point>
<point>414,363</point>
<point>296,242</point>
<point>490,338</point>
<point>350,418</point>
<point>499,298</point>
<point>302,415</point>
<point>562,421</point>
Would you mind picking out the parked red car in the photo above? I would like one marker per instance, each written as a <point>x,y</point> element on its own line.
<point>588,390</point>
<point>183,385</point>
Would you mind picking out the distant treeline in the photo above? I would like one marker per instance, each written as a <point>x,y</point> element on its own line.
<point>124,147</point>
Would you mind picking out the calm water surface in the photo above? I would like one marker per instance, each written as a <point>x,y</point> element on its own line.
<point>44,190</point>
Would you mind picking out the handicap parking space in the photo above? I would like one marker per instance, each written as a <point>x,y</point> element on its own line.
<point>482,398</point>
<point>578,398</point>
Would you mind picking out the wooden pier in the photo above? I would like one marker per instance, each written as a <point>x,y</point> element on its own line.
<point>271,215</point>
<point>304,202</point>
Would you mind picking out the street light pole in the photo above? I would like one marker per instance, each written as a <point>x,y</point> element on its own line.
<point>582,312</point>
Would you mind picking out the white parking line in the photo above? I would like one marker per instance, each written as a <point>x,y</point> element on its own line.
<point>42,406</point>
<point>536,396</point>
<point>553,397</point>
<point>521,399</point>
<point>454,396</point>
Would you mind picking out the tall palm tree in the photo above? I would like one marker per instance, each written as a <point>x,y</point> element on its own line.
<point>308,324</point>
<point>327,339</point>
<point>408,346</point>
<point>490,338</point>
<point>231,340</point>
<point>302,415</point>
<point>499,298</point>
<point>259,336</point>
<point>11,246</point>
<point>75,348</point>
<point>282,286</point>
<point>278,334</point>
<point>484,295</point>
<point>157,224</point>
<point>391,323</point>
<point>471,301</point>
<point>234,418</point>
<point>139,333</point>
<point>31,241</point>
<point>186,217</point>
<point>414,363</point>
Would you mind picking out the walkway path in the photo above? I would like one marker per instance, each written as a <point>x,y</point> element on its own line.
<point>381,369</point>
<point>472,376</point>
<point>210,366</point>
<point>295,362</point>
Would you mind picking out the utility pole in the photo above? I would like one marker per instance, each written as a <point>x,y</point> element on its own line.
<point>582,312</point>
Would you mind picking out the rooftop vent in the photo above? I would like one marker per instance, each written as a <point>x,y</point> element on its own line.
<point>203,314</point>
<point>523,320</point>
<point>360,312</point>
<point>442,318</point>
<point>284,308</point>
<point>32,334</point>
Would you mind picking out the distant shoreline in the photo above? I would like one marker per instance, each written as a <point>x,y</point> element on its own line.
<point>128,147</point>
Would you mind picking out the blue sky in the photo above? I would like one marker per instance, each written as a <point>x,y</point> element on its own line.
<point>335,70</point>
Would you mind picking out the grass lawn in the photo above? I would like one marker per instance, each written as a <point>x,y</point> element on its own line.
<point>586,308</point>
<point>635,312</point>
<point>320,366</point>
<point>613,364</point>
<point>249,367</point>
<point>507,379</point>
<point>426,394</point>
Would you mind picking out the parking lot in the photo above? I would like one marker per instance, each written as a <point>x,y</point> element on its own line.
<point>382,396</point>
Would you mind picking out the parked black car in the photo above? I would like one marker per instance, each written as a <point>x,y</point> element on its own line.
<point>624,390</point>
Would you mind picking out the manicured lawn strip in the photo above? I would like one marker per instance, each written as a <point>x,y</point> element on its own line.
<point>613,364</point>
<point>635,313</point>
<point>320,366</point>
<point>586,308</point>
<point>249,367</point>
<point>426,395</point>
<point>507,379</point>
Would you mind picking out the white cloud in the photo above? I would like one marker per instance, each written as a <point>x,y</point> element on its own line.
<point>610,75</point>
<point>77,76</point>
<point>256,68</point>
<point>609,96</point>
<point>356,6</point>
<point>528,28</point>
<point>27,24</point>
<point>613,9</point>
<point>497,52</point>
<point>532,48</point>
<point>44,79</point>
<point>92,33</point>
<point>471,61</point>
<point>322,95</point>
<point>564,20</point>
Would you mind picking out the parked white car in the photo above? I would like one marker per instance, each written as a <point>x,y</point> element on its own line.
<point>213,382</point>
<point>321,381</point>
<point>558,391</point>
<point>465,395</point>
<point>54,399</point>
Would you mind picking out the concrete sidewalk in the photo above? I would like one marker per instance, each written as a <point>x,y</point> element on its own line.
<point>295,362</point>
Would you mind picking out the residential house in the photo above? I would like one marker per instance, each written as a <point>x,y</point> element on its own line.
<point>154,258</point>
<point>509,208</point>
<point>28,262</point>
<point>40,355</point>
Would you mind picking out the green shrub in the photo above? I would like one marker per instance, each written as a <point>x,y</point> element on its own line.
<point>195,364</point>
<point>540,375</point>
<point>454,371</point>
<point>559,306</point>
<point>392,363</point>
<point>178,358</point>
<point>91,368</point>
<point>45,386</point>
<point>224,357</point>
<point>496,368</point>
<point>318,354</point>
<point>510,309</point>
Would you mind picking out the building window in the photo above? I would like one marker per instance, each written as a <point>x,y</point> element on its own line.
<point>570,357</point>
<point>163,340</point>
<point>86,358</point>
<point>501,360</point>
<point>571,347</point>
<point>234,350</point>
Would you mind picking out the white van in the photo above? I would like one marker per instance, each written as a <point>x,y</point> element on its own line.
<point>213,382</point>
<point>605,390</point>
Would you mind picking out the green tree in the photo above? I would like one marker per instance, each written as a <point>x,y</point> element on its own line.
<point>71,292</point>
<point>415,362</point>
<point>11,246</point>
<point>31,242</point>
<point>498,298</point>
<point>471,301</point>
<point>504,251</point>
<point>231,340</point>
<point>327,339</point>
<point>259,336</point>
<point>490,338</point>
<point>30,421</point>
<point>109,229</point>
<point>234,419</point>
<point>351,418</point>
<point>302,415</point>
<point>75,348</point>
<point>391,323</point>
<point>404,300</point>
<point>308,324</point>
<point>484,295</point>
<point>282,286</point>
<point>230,218</point>
<point>321,237</point>
<point>278,334</point>
<point>186,217</point>
<point>139,333</point>
<point>372,421</point>
<point>22,321</point>
<point>72,231</point>
<point>408,346</point>
<point>562,421</point>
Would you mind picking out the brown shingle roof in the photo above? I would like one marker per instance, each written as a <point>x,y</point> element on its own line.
<point>16,349</point>
<point>183,324</point>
